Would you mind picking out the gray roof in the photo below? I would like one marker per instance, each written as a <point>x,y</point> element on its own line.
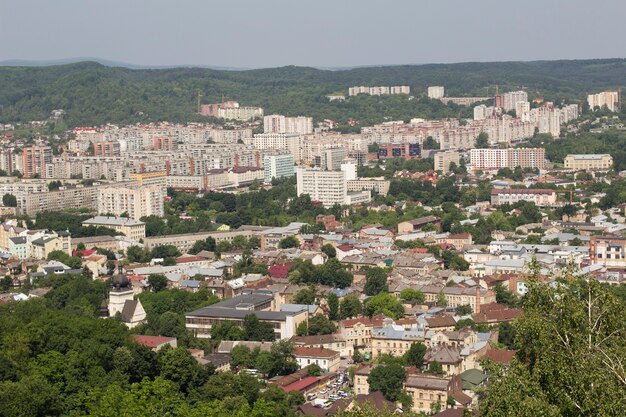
<point>129,310</point>
<point>111,221</point>
<point>19,240</point>
<point>231,313</point>
<point>427,382</point>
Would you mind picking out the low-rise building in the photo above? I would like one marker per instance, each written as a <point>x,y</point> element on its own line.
<point>132,228</point>
<point>588,162</point>
<point>541,197</point>
<point>326,359</point>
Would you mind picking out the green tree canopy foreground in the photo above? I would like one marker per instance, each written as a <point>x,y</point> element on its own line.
<point>571,355</point>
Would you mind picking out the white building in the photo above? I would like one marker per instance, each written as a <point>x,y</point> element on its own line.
<point>277,166</point>
<point>610,99</point>
<point>442,160</point>
<point>291,142</point>
<point>277,123</point>
<point>436,92</point>
<point>136,202</point>
<point>328,187</point>
<point>509,100</point>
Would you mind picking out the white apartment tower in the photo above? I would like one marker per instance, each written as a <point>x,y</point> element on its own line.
<point>610,99</point>
<point>277,123</point>
<point>136,202</point>
<point>509,100</point>
<point>328,187</point>
<point>436,92</point>
<point>277,166</point>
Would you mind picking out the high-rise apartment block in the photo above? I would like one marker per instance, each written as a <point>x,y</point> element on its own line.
<point>509,100</point>
<point>610,99</point>
<point>230,110</point>
<point>379,91</point>
<point>442,160</point>
<point>328,187</point>
<point>491,159</point>
<point>34,160</point>
<point>277,123</point>
<point>436,92</point>
<point>277,166</point>
<point>133,202</point>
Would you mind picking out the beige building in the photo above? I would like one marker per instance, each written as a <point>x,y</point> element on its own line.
<point>333,341</point>
<point>378,185</point>
<point>185,241</point>
<point>610,99</point>
<point>132,228</point>
<point>444,159</point>
<point>436,91</point>
<point>327,359</point>
<point>277,123</point>
<point>588,162</point>
<point>428,390</point>
<point>608,251</point>
<point>474,297</point>
<point>136,202</point>
<point>358,333</point>
<point>540,197</point>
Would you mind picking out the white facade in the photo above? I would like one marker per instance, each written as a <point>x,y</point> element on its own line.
<point>277,166</point>
<point>328,187</point>
<point>509,100</point>
<point>610,99</point>
<point>436,92</point>
<point>277,123</point>
<point>137,202</point>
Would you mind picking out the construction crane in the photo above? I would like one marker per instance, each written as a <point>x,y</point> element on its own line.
<point>570,192</point>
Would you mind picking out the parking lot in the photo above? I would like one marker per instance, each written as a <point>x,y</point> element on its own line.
<point>332,392</point>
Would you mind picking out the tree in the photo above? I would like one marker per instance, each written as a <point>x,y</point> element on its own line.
<point>506,335</point>
<point>302,329</point>
<point>329,250</point>
<point>305,296</point>
<point>482,141</point>
<point>9,200</point>
<point>431,143</point>
<point>54,185</point>
<point>415,355</point>
<point>570,353</point>
<point>137,254</point>
<point>375,281</point>
<point>313,370</point>
<point>73,262</point>
<point>388,379</point>
<point>441,299</point>
<point>410,294</point>
<point>333,306</point>
<point>157,282</point>
<point>435,368</point>
<point>255,330</point>
<point>504,296</point>
<point>384,303</point>
<point>289,242</point>
<point>320,324</point>
<point>350,307</point>
<point>463,310</point>
<point>576,242</point>
<point>207,244</point>
<point>177,365</point>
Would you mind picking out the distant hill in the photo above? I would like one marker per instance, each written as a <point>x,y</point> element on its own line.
<point>92,93</point>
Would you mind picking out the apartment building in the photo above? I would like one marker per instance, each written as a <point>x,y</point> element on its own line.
<point>443,160</point>
<point>291,142</point>
<point>376,185</point>
<point>427,391</point>
<point>326,359</point>
<point>399,150</point>
<point>610,99</point>
<point>379,91</point>
<point>78,197</point>
<point>436,92</point>
<point>331,159</point>
<point>131,228</point>
<point>510,100</point>
<point>357,333</point>
<point>588,162</point>
<point>277,166</point>
<point>474,297</point>
<point>328,187</point>
<point>608,251</point>
<point>135,202</point>
<point>540,197</point>
<point>185,241</point>
<point>34,160</point>
<point>277,123</point>
<point>230,110</point>
<point>493,159</point>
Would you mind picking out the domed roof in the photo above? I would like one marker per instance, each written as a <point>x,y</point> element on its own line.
<point>120,281</point>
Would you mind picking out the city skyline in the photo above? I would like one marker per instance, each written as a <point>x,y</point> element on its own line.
<point>156,33</point>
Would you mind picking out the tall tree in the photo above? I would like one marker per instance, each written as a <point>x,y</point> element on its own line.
<point>333,306</point>
<point>375,281</point>
<point>388,379</point>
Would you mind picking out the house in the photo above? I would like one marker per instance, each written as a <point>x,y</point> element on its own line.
<point>459,240</point>
<point>326,359</point>
<point>447,356</point>
<point>333,341</point>
<point>428,390</point>
<point>155,343</point>
<point>412,226</point>
<point>131,228</point>
<point>357,333</point>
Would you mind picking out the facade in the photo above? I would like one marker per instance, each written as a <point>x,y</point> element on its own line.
<point>379,91</point>
<point>230,110</point>
<point>510,100</point>
<point>327,187</point>
<point>34,160</point>
<point>443,159</point>
<point>185,241</point>
<point>492,159</point>
<point>474,297</point>
<point>540,197</point>
<point>135,202</point>
<point>588,162</point>
<point>277,166</point>
<point>326,359</point>
<point>399,150</point>
<point>131,228</point>
<point>277,123</point>
<point>610,99</point>
<point>436,92</point>
<point>608,251</point>
<point>427,391</point>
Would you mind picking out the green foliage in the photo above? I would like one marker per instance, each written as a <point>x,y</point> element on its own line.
<point>453,261</point>
<point>313,370</point>
<point>482,141</point>
<point>333,306</point>
<point>305,296</point>
<point>207,244</point>
<point>506,335</point>
<point>320,324</point>
<point>73,262</point>
<point>375,281</point>
<point>350,307</point>
<point>289,242</point>
<point>411,294</point>
<point>329,250</point>
<point>384,303</point>
<point>415,355</point>
<point>504,296</point>
<point>332,273</point>
<point>255,330</point>
<point>461,324</point>
<point>435,368</point>
<point>388,379</point>
<point>463,310</point>
<point>9,200</point>
<point>62,221</point>
<point>157,282</point>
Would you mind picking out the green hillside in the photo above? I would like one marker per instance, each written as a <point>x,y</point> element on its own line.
<point>93,94</point>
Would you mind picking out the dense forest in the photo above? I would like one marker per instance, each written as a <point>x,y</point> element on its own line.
<point>91,93</point>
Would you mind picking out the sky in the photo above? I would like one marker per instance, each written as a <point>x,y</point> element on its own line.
<point>317,33</point>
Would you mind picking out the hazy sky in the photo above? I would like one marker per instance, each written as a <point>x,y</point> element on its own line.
<point>321,33</point>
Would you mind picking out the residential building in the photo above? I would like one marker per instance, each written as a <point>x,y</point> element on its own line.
<point>427,391</point>
<point>399,150</point>
<point>436,92</point>
<point>378,91</point>
<point>131,228</point>
<point>326,359</point>
<point>333,341</point>
<point>541,197</point>
<point>443,159</point>
<point>588,162</point>
<point>455,296</point>
<point>276,123</point>
<point>357,333</point>
<point>34,160</point>
<point>494,159</point>
<point>135,202</point>
<point>510,100</point>
<point>277,166</point>
<point>608,251</point>
<point>610,99</point>
<point>327,187</point>
<point>415,225</point>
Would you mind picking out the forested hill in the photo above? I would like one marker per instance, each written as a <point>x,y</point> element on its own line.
<point>93,94</point>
